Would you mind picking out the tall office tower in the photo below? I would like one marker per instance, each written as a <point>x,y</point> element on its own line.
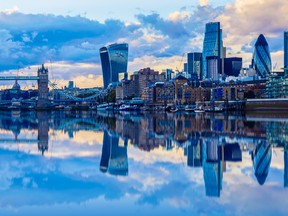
<point>261,61</point>
<point>222,62</point>
<point>286,52</point>
<point>194,64</point>
<point>114,60</point>
<point>212,46</point>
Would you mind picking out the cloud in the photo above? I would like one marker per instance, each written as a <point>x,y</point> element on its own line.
<point>56,38</point>
<point>203,2</point>
<point>243,21</point>
<point>246,17</point>
<point>70,43</point>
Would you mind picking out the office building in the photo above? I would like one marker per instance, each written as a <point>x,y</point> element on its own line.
<point>114,60</point>
<point>212,46</point>
<point>194,64</point>
<point>213,67</point>
<point>261,61</point>
<point>232,66</point>
<point>286,53</point>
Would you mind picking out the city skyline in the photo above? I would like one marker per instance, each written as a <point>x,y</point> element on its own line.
<point>157,37</point>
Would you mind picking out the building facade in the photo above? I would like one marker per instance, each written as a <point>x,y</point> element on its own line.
<point>147,76</point>
<point>213,71</point>
<point>261,61</point>
<point>114,60</point>
<point>212,45</point>
<point>232,66</point>
<point>194,64</point>
<point>286,52</point>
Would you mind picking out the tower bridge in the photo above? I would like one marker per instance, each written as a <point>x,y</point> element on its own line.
<point>43,89</point>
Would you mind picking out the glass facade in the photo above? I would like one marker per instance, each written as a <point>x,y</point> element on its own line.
<point>106,71</point>
<point>232,66</point>
<point>261,61</point>
<point>213,67</point>
<point>194,64</point>
<point>212,45</point>
<point>285,49</point>
<point>114,60</point>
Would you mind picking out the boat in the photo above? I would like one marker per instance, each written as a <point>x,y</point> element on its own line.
<point>174,109</point>
<point>199,109</point>
<point>190,108</point>
<point>67,108</point>
<point>124,107</point>
<point>214,109</point>
<point>102,107</point>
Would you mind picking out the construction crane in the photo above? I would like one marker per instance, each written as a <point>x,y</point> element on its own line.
<point>274,67</point>
<point>177,68</point>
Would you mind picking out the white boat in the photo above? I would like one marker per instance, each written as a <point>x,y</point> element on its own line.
<point>124,107</point>
<point>199,111</point>
<point>102,107</point>
<point>174,109</point>
<point>190,108</point>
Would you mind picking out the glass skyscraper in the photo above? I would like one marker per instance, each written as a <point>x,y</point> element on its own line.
<point>261,61</point>
<point>194,64</point>
<point>212,46</point>
<point>114,60</point>
<point>285,49</point>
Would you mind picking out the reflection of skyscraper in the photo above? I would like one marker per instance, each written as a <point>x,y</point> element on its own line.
<point>212,46</point>
<point>118,163</point>
<point>212,168</point>
<point>194,154</point>
<point>261,61</point>
<point>114,157</point>
<point>261,157</point>
<point>114,59</point>
<point>105,152</point>
<point>286,168</point>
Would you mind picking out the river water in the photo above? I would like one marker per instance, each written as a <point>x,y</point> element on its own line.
<point>84,163</point>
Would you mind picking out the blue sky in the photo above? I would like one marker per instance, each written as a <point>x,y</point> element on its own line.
<point>66,35</point>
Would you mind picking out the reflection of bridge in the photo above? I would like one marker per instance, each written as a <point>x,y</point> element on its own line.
<point>86,124</point>
<point>26,141</point>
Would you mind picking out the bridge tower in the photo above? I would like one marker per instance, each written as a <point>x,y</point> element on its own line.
<point>43,87</point>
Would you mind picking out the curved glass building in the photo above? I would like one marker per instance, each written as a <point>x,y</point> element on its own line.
<point>261,61</point>
<point>114,60</point>
<point>261,157</point>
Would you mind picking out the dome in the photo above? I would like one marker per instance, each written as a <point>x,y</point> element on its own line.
<point>16,86</point>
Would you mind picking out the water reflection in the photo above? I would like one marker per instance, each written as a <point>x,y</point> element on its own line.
<point>213,149</point>
<point>208,141</point>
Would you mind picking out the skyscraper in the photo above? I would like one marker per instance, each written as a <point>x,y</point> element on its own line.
<point>286,49</point>
<point>232,66</point>
<point>194,64</point>
<point>212,46</point>
<point>261,61</point>
<point>114,60</point>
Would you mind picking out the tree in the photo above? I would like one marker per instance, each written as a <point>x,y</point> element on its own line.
<point>111,96</point>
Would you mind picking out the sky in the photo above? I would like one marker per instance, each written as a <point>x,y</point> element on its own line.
<point>66,35</point>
